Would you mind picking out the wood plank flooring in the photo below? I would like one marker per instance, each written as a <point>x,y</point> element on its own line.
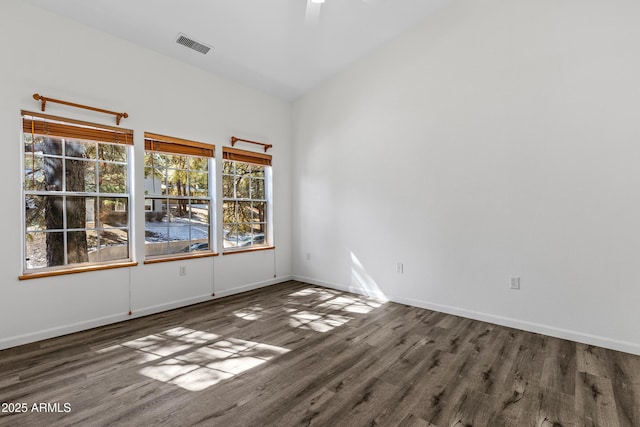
<point>296,354</point>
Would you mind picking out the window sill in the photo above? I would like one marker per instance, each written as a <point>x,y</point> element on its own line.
<point>241,251</point>
<point>28,276</point>
<point>179,258</point>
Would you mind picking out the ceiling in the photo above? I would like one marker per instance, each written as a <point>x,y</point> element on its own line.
<point>282,47</point>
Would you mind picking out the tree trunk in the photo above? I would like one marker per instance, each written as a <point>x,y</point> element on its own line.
<point>76,207</point>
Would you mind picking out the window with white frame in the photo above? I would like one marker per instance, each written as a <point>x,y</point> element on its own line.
<point>246,188</point>
<point>76,193</point>
<point>177,183</point>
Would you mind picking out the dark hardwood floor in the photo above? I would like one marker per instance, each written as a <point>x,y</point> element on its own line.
<point>296,354</point>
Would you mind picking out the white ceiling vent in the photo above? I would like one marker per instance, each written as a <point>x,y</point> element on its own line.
<point>192,44</point>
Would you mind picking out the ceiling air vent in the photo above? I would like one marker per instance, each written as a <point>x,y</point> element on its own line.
<point>192,44</point>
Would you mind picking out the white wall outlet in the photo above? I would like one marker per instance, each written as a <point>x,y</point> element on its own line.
<point>514,282</point>
<point>183,270</point>
<point>399,268</point>
<point>307,256</point>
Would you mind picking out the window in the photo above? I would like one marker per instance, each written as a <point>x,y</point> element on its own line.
<point>76,193</point>
<point>178,210</point>
<point>246,184</point>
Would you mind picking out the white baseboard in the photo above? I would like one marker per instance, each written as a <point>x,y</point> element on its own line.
<point>61,330</point>
<point>137,312</point>
<point>159,308</point>
<point>581,337</point>
<point>252,286</point>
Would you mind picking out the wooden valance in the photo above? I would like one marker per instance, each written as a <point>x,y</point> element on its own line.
<point>169,144</point>
<point>44,124</point>
<point>246,156</point>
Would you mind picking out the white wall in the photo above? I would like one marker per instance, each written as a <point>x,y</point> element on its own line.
<point>499,138</point>
<point>59,58</point>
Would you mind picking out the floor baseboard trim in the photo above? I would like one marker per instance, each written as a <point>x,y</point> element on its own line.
<point>137,312</point>
<point>581,337</point>
<point>60,330</point>
<point>252,286</point>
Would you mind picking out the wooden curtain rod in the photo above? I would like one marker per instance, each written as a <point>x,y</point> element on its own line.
<point>44,100</point>
<point>234,140</point>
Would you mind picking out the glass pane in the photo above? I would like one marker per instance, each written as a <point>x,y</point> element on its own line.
<point>156,228</point>
<point>33,172</point>
<point>112,178</point>
<point>52,145</point>
<point>176,161</point>
<point>154,160</point>
<point>257,171</point>
<point>90,149</point>
<point>198,184</point>
<point>257,188</point>
<point>180,232</point>
<point>227,167</point>
<point>244,211</point>
<point>92,246</point>
<point>155,248</point>
<point>259,236</point>
<point>229,212</point>
<point>227,186</point>
<point>76,212</point>
<point>45,211</point>
<point>259,211</point>
<point>36,250</point>
<point>177,182</point>
<point>152,184</point>
<point>34,213</point>
<point>32,145</point>
<point>242,168</point>
<point>112,152</point>
<point>77,247</point>
<point>200,213</point>
<point>230,236</point>
<point>197,246</point>
<point>244,232</point>
<point>80,175</point>
<point>52,174</point>
<point>242,188</point>
<point>77,148</point>
<point>157,210</point>
<point>199,163</point>
<point>114,244</point>
<point>178,209</point>
<point>114,212</point>
<point>91,205</point>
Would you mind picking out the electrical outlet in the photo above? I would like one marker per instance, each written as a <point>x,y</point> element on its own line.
<point>307,256</point>
<point>514,282</point>
<point>399,268</point>
<point>183,270</point>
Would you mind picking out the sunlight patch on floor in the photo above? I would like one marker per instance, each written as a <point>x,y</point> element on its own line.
<point>250,313</point>
<point>196,360</point>
<point>321,294</point>
<point>351,304</point>
<point>319,322</point>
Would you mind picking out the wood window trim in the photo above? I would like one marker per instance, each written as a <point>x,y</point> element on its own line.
<point>167,258</point>
<point>245,156</point>
<point>45,124</point>
<point>75,270</point>
<point>169,144</point>
<point>230,251</point>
